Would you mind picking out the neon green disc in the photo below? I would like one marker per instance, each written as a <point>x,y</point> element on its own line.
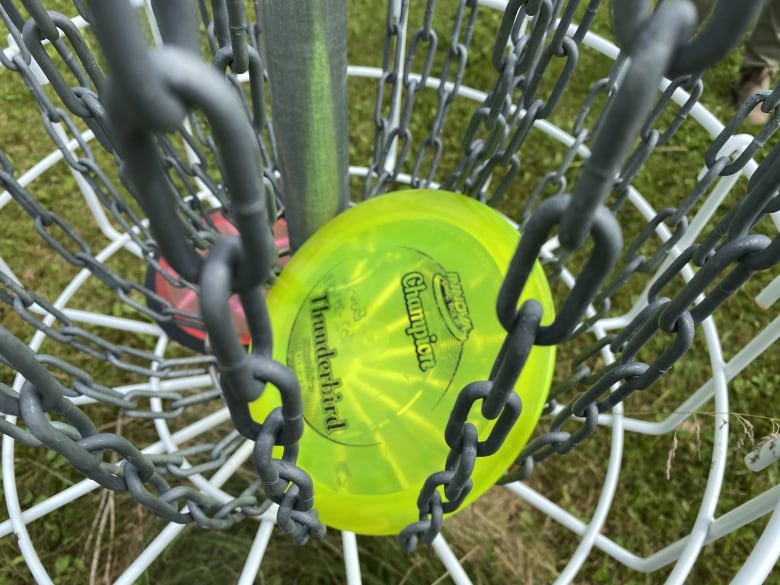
<point>385,314</point>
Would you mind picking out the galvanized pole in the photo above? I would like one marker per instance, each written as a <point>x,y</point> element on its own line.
<point>306,59</point>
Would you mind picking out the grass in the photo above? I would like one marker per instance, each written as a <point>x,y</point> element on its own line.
<point>500,538</point>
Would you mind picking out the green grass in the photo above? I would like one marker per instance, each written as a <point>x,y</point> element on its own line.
<point>499,538</point>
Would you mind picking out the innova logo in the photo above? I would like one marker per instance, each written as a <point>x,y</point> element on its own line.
<point>413,286</point>
<point>451,302</point>
<point>438,317</point>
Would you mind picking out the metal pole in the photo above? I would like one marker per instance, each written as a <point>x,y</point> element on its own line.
<point>306,59</point>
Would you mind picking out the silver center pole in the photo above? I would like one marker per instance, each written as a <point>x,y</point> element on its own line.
<point>306,58</point>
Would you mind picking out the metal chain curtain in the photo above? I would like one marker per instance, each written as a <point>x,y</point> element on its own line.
<point>145,131</point>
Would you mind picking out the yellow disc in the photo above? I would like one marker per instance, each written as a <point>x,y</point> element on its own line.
<point>384,315</point>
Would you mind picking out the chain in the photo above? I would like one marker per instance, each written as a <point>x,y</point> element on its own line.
<point>511,109</point>
<point>243,41</point>
<point>659,47</point>
<point>134,144</point>
<point>400,87</point>
<point>673,315</point>
<point>183,134</point>
<point>77,439</point>
<point>227,268</point>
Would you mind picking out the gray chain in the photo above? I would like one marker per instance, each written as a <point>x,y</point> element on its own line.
<point>490,162</point>
<point>78,440</point>
<point>242,264</point>
<point>282,482</point>
<point>712,254</point>
<point>505,123</point>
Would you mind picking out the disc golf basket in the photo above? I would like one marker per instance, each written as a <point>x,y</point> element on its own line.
<point>365,264</point>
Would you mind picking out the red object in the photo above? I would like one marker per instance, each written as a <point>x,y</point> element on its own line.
<point>187,299</point>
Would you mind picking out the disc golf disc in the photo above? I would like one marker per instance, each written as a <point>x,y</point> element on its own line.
<point>384,315</point>
<point>190,333</point>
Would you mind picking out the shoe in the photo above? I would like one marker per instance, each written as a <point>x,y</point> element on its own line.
<point>751,81</point>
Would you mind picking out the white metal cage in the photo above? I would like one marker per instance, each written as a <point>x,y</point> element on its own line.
<point>704,413</point>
